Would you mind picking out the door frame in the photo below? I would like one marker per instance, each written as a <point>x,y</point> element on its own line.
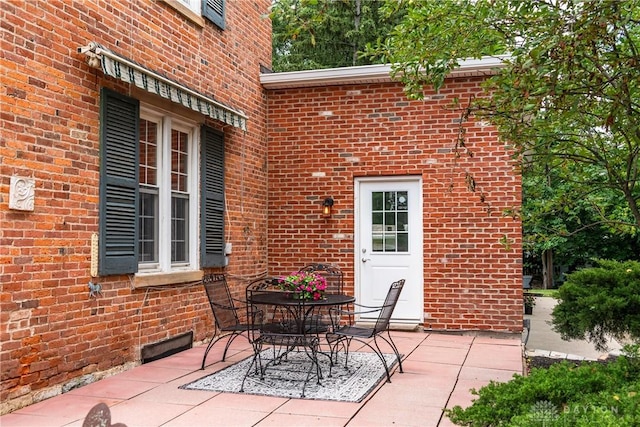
<point>358,234</point>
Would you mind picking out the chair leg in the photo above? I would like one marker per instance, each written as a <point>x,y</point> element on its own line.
<point>206,352</point>
<point>256,360</point>
<point>329,358</point>
<point>344,341</point>
<point>314,362</point>
<point>346,350</point>
<point>233,336</point>
<point>376,349</point>
<point>380,354</point>
<point>333,342</point>
<point>392,344</point>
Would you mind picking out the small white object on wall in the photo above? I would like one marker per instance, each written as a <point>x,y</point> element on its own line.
<point>94,255</point>
<point>22,193</point>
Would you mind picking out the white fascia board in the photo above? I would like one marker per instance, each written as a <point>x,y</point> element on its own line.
<point>327,76</point>
<point>367,74</point>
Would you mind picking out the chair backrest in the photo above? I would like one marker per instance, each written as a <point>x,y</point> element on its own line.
<point>257,314</point>
<point>332,273</point>
<point>263,284</point>
<point>222,304</point>
<point>389,305</point>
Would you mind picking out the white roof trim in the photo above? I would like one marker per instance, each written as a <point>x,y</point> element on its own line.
<point>368,74</point>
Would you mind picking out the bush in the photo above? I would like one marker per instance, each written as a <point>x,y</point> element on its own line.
<point>600,301</point>
<point>591,394</point>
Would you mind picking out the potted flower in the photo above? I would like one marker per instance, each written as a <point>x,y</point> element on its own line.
<point>529,303</point>
<point>304,285</point>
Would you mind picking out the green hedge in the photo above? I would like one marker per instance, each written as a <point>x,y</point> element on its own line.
<point>591,394</point>
<point>595,303</point>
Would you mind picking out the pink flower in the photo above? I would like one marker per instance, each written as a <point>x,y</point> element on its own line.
<point>306,284</point>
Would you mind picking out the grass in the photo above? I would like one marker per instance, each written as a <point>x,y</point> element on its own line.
<point>544,292</point>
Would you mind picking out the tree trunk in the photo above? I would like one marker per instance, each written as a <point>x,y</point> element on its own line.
<point>547,255</point>
<point>547,269</point>
<point>356,25</point>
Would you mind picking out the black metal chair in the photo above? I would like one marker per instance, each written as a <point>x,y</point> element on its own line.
<point>335,285</point>
<point>225,310</point>
<point>332,274</point>
<point>278,328</point>
<point>262,317</point>
<point>346,333</point>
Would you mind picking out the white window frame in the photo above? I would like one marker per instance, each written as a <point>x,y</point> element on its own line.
<point>193,5</point>
<point>166,123</point>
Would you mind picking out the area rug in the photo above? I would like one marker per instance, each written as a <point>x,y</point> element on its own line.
<point>350,384</point>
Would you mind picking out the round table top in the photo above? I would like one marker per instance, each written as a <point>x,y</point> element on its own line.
<point>284,298</point>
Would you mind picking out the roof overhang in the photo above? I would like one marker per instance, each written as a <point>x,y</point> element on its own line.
<point>118,66</point>
<point>369,74</point>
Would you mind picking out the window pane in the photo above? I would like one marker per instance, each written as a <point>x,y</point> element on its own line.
<point>148,153</point>
<point>377,243</point>
<point>148,225</point>
<point>389,200</point>
<point>402,200</point>
<point>179,228</point>
<point>377,201</point>
<point>403,242</point>
<point>179,160</point>
<point>390,221</point>
<point>376,221</point>
<point>390,243</point>
<point>403,221</point>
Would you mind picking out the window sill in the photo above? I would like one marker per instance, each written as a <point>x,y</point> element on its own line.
<point>188,13</point>
<point>166,279</point>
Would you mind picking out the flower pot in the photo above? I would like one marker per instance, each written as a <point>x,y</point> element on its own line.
<point>528,309</point>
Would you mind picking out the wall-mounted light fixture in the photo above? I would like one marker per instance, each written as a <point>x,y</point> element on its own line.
<point>326,207</point>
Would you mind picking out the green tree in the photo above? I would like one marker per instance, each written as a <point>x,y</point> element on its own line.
<point>564,222</point>
<point>315,34</point>
<point>568,94</point>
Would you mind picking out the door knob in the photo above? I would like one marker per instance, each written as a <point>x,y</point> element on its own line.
<point>366,259</point>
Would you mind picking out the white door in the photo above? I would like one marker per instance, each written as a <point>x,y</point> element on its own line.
<point>389,244</point>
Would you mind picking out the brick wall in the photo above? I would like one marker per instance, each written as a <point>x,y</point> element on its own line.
<point>472,281</point>
<point>52,332</point>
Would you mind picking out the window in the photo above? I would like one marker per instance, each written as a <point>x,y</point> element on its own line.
<point>148,188</point>
<point>180,199</point>
<point>389,221</point>
<point>213,10</point>
<point>153,166</point>
<point>167,185</point>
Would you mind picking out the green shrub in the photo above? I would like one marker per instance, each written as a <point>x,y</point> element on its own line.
<point>592,394</point>
<point>598,302</point>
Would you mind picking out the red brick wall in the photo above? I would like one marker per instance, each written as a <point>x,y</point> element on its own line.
<point>51,331</point>
<point>471,280</point>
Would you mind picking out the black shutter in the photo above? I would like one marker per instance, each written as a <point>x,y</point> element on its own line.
<point>119,127</point>
<point>212,203</point>
<point>213,10</point>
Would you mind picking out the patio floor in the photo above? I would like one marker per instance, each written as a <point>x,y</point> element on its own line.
<point>439,371</point>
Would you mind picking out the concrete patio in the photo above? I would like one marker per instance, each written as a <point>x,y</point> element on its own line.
<point>439,371</point>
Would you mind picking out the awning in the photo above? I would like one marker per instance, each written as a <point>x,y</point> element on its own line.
<point>120,67</point>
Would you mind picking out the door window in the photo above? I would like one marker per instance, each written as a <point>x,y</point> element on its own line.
<point>389,221</point>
